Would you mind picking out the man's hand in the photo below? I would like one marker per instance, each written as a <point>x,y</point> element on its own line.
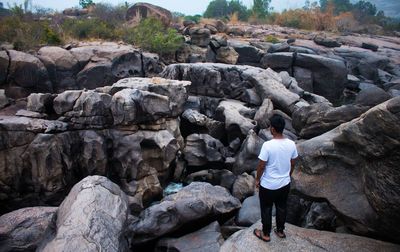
<point>257,184</point>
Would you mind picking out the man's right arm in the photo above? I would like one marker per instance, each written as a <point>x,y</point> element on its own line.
<point>292,164</point>
<point>260,171</point>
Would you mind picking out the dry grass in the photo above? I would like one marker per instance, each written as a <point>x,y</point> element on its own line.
<point>234,18</point>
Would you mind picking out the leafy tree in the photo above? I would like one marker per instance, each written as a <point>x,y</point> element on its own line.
<point>236,6</point>
<point>261,8</point>
<point>339,5</point>
<point>85,3</point>
<point>195,18</point>
<point>216,8</point>
<point>364,10</point>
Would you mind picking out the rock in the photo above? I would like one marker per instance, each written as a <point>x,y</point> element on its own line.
<point>352,82</point>
<point>4,63</point>
<point>235,31</point>
<point>327,42</point>
<point>138,11</point>
<point>28,73</point>
<point>276,61</point>
<point>24,229</point>
<point>62,64</point>
<point>40,103</point>
<point>247,54</point>
<point>3,99</point>
<point>127,65</point>
<point>188,53</point>
<point>212,28</point>
<point>244,186</point>
<point>224,178</point>
<point>298,239</point>
<point>193,121</point>
<point>75,12</point>
<point>200,36</point>
<point>329,75</point>
<point>247,158</point>
<point>201,149</point>
<point>95,75</point>
<point>264,113</point>
<point>65,101</point>
<point>208,238</point>
<point>250,211</point>
<point>297,209</point>
<point>319,118</point>
<point>237,118</point>
<point>320,216</point>
<point>370,46</point>
<point>348,158</point>
<point>371,97</point>
<point>301,49</point>
<point>231,81</point>
<point>279,47</point>
<point>187,23</point>
<point>92,217</point>
<point>195,201</point>
<point>227,55</point>
<point>304,77</point>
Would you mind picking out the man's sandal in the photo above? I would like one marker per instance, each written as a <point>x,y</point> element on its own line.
<point>280,234</point>
<point>260,236</point>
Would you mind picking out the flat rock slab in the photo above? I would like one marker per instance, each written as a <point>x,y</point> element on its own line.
<point>301,239</point>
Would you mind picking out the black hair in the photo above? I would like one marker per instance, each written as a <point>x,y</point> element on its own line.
<point>278,123</point>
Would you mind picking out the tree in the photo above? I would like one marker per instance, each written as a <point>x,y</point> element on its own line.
<point>216,8</point>
<point>236,6</point>
<point>363,10</point>
<point>261,8</point>
<point>85,3</point>
<point>339,5</point>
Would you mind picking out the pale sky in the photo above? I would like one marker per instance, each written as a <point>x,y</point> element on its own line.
<point>189,7</point>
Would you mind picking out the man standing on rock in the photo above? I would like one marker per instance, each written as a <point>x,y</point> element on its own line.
<point>273,174</point>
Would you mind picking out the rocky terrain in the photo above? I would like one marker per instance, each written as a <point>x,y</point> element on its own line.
<point>92,134</point>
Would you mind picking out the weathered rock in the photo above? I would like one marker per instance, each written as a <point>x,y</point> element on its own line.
<point>143,10</point>
<point>264,113</point>
<point>280,47</point>
<point>40,102</point>
<point>65,101</point>
<point>95,75</point>
<point>320,216</point>
<point>212,28</point>
<point>298,239</point>
<point>244,186</point>
<point>152,65</point>
<point>207,239</point>
<point>27,73</point>
<point>128,65</point>
<point>347,159</point>
<point>319,118</point>
<point>224,178</point>
<point>187,53</point>
<point>3,99</point>
<point>304,77</point>
<point>24,229</point>
<point>92,217</point>
<point>371,97</point>
<point>201,149</point>
<point>227,55</point>
<point>227,81</point>
<point>370,46</point>
<point>195,122</point>
<point>277,61</point>
<point>329,75</point>
<point>235,31</point>
<point>237,117</point>
<point>247,54</point>
<point>328,42</point>
<point>200,36</point>
<point>250,211</point>
<point>195,201</point>
<point>247,158</point>
<point>4,63</point>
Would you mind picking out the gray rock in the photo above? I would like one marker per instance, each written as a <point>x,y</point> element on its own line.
<point>4,63</point>
<point>201,149</point>
<point>95,75</point>
<point>195,201</point>
<point>264,113</point>
<point>207,239</point>
<point>247,158</point>
<point>224,178</point>
<point>352,82</point>
<point>371,96</point>
<point>329,75</point>
<point>327,42</point>
<point>276,61</point>
<point>40,103</point>
<point>152,66</point>
<point>138,11</point>
<point>92,217</point>
<point>244,186</point>
<point>370,46</point>
<point>227,55</point>
<point>280,47</point>
<point>24,229</point>
<point>304,77</point>
<point>202,124</point>
<point>65,101</point>
<point>348,158</point>
<point>200,36</point>
<point>298,239</point>
<point>3,99</point>
<point>247,53</point>
<point>320,216</point>
<point>250,212</point>
<point>212,28</point>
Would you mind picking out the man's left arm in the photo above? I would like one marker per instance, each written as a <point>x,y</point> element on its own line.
<point>260,171</point>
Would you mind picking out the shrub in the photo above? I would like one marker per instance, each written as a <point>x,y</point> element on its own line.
<point>271,39</point>
<point>151,35</point>
<point>88,28</point>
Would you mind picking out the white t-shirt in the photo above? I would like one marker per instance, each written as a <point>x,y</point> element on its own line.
<point>277,153</point>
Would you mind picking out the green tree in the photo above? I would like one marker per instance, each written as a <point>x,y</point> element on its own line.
<point>261,8</point>
<point>85,3</point>
<point>238,7</point>
<point>217,8</point>
<point>364,10</point>
<point>339,5</point>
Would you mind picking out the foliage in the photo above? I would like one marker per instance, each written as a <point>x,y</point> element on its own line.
<point>224,9</point>
<point>85,3</point>
<point>113,15</point>
<point>195,18</point>
<point>261,8</point>
<point>271,39</point>
<point>339,6</point>
<point>88,28</point>
<point>236,6</point>
<point>364,10</point>
<point>151,35</point>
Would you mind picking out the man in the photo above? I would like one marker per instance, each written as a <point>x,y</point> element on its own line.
<point>276,163</point>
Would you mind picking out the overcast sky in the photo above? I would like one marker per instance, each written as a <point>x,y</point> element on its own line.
<point>189,7</point>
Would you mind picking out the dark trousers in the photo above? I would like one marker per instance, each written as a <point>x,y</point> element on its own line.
<point>267,199</point>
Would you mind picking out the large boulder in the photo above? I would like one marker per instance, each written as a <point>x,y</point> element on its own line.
<point>248,54</point>
<point>300,239</point>
<point>316,119</point>
<point>372,96</point>
<point>195,122</point>
<point>143,10</point>
<point>4,63</point>
<point>250,212</point>
<point>92,217</point>
<point>24,229</point>
<point>227,55</point>
<point>194,202</point>
<point>200,36</point>
<point>26,74</point>
<point>228,81</point>
<point>244,186</point>
<point>207,239</point>
<point>201,149</point>
<point>358,162</point>
<point>277,61</point>
<point>325,41</point>
<point>247,157</point>
<point>329,75</point>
